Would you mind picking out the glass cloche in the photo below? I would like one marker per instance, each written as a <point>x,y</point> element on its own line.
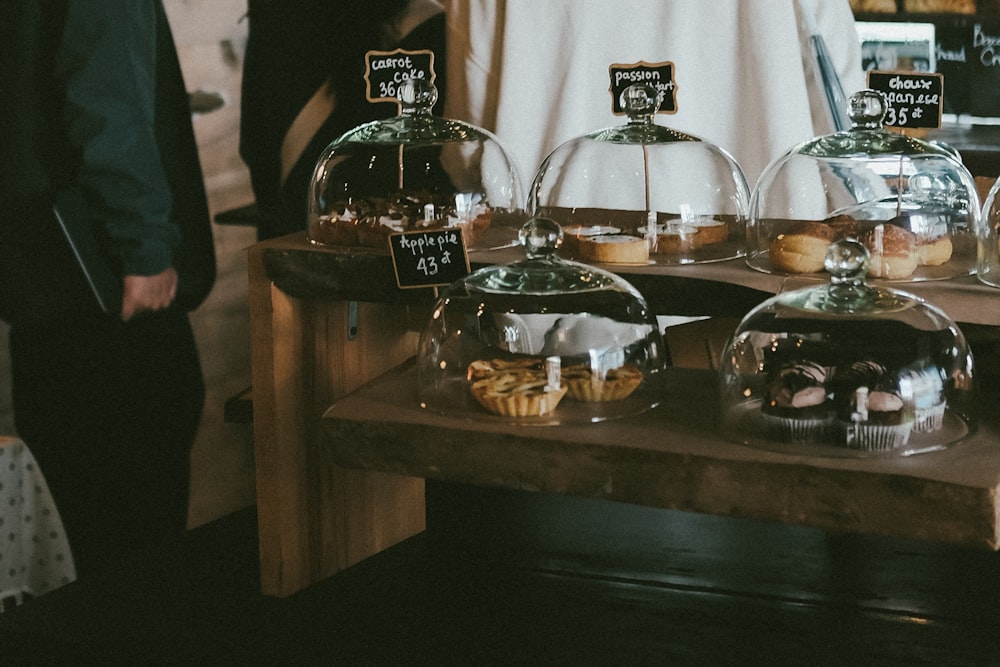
<point>989,240</point>
<point>543,340</point>
<point>412,172</point>
<point>847,369</point>
<point>642,193</point>
<point>912,203</point>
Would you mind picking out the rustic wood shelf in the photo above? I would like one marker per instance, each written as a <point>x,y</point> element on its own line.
<point>674,457</point>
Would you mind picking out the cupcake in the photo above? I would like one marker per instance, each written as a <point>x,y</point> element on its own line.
<point>870,409</point>
<point>878,421</point>
<point>925,390</point>
<point>796,405</point>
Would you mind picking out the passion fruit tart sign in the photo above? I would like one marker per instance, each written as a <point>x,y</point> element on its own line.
<point>659,75</point>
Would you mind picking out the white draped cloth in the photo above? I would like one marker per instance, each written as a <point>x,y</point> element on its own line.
<point>35,556</point>
<point>535,72</point>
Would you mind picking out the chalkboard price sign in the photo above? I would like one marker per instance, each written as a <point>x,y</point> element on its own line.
<point>385,70</point>
<point>429,258</point>
<point>915,99</point>
<point>660,75</point>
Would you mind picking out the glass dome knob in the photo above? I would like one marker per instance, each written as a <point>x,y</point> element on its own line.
<point>867,109</point>
<point>846,261</point>
<point>417,95</point>
<point>641,102</point>
<point>540,237</point>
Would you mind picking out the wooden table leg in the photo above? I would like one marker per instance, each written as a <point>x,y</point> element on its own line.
<point>317,518</point>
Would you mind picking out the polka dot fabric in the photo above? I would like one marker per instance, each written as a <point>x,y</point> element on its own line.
<point>34,553</point>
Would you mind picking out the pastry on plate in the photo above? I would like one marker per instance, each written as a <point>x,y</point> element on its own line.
<point>515,388</point>
<point>586,384</point>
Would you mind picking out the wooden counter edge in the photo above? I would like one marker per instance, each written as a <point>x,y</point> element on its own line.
<point>844,497</point>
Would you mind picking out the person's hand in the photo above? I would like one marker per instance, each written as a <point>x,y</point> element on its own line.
<point>148,293</point>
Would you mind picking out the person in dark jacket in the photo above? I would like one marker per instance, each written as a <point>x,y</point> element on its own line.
<point>95,132</point>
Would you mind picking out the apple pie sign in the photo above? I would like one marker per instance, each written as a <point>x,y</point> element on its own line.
<point>430,258</point>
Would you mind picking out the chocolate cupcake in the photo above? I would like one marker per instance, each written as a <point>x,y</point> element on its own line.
<point>870,411</point>
<point>796,406</point>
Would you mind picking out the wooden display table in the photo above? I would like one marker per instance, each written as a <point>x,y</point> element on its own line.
<point>674,457</point>
<point>325,322</point>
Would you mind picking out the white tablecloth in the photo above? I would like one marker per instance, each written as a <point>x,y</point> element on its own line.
<point>34,552</point>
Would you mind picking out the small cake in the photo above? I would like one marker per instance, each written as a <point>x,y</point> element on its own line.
<point>864,373</point>
<point>374,231</point>
<point>893,252</point>
<point>472,221</point>
<point>481,217</point>
<point>802,248</point>
<point>674,239</point>
<point>877,421</point>
<point>573,233</point>
<point>586,384</point>
<point>870,409</point>
<point>924,388</point>
<point>370,222</point>
<point>710,230</point>
<point>796,406</point>
<point>614,249</point>
<point>517,388</point>
<point>340,229</point>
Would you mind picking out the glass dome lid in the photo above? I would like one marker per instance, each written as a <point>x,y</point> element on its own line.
<point>988,269</point>
<point>847,369</point>
<point>643,193</point>
<point>543,340</point>
<point>412,172</point>
<point>911,202</point>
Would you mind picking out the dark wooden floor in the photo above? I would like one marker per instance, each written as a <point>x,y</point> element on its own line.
<point>506,578</point>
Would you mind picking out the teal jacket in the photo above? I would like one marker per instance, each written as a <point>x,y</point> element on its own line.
<point>92,99</point>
